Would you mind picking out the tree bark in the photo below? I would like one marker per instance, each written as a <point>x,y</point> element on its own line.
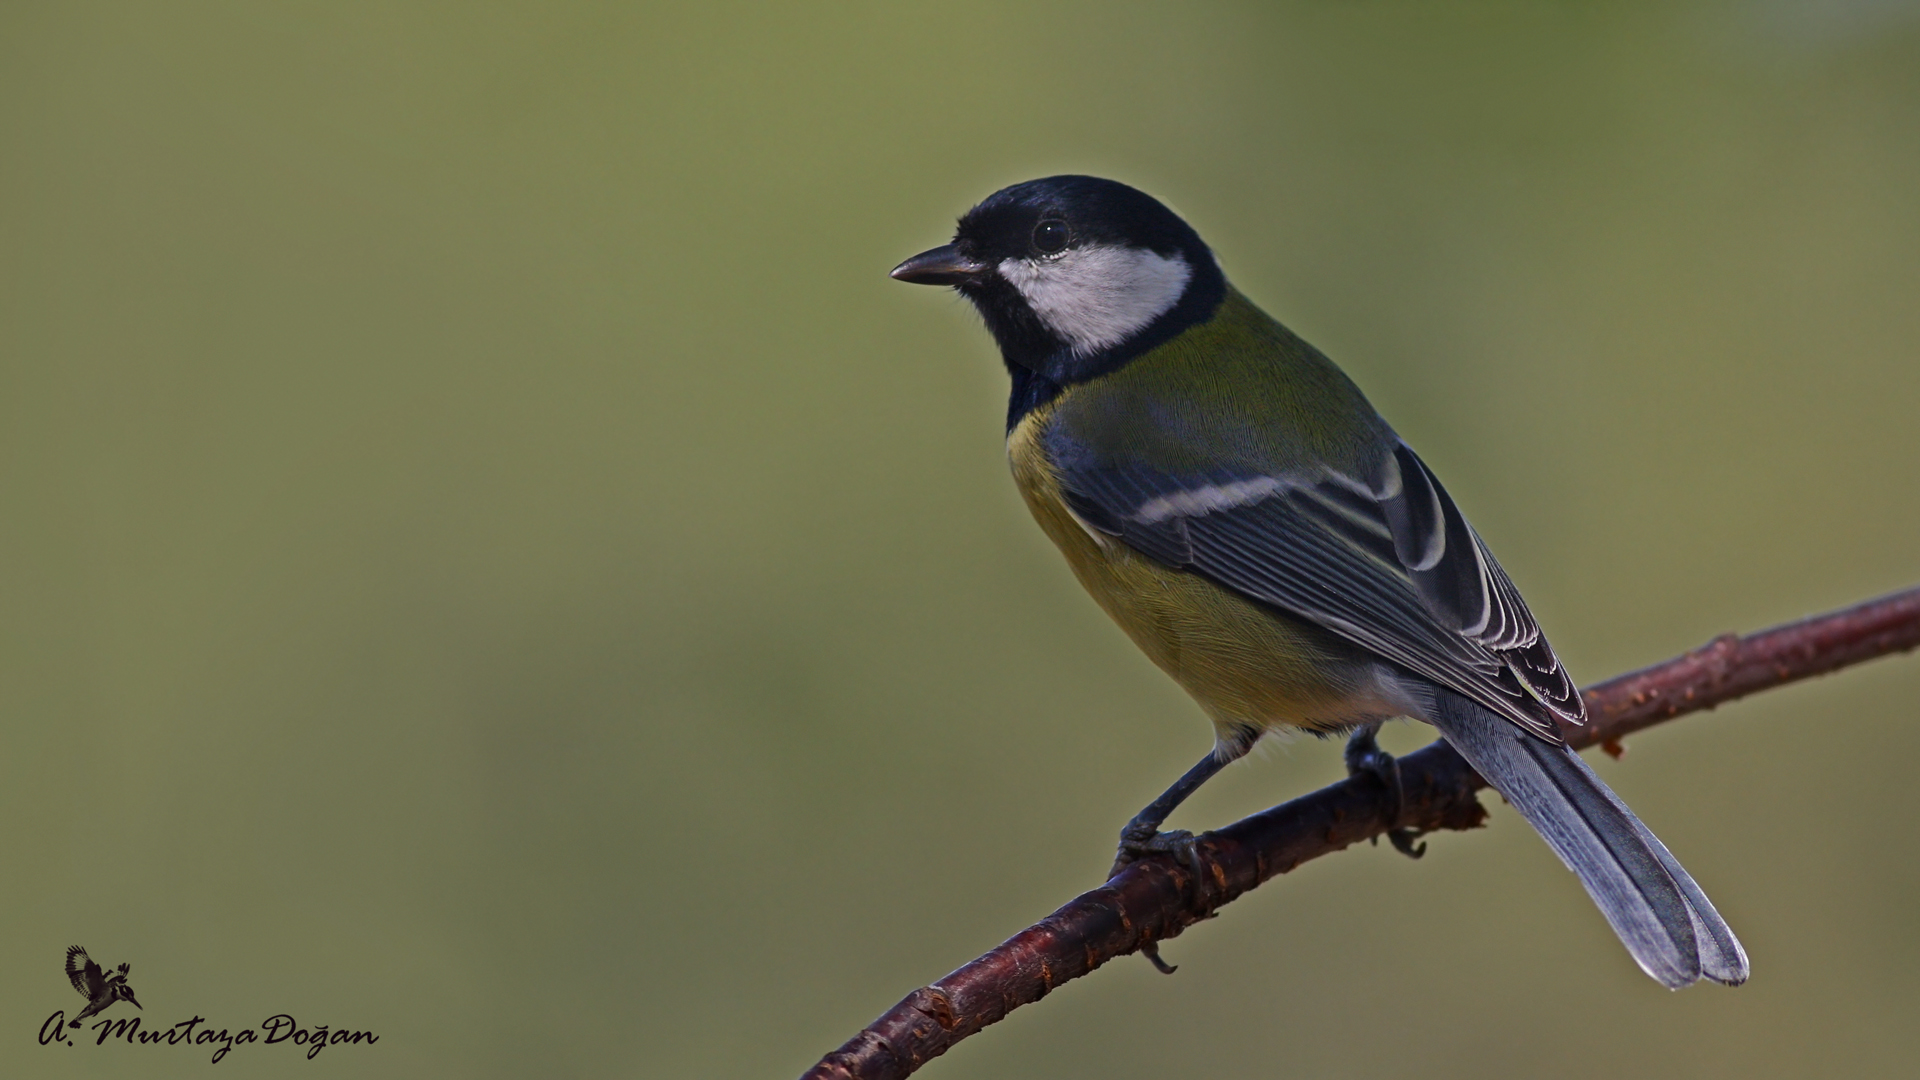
<point>1156,898</point>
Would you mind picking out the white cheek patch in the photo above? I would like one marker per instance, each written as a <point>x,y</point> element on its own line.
<point>1096,297</point>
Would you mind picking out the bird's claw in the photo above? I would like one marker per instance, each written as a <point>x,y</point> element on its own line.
<point>1403,842</point>
<point>1364,757</point>
<point>1151,950</point>
<point>1137,843</point>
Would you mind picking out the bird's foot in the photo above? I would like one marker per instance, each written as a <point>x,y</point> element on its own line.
<point>1364,757</point>
<point>1139,840</point>
<point>1151,950</point>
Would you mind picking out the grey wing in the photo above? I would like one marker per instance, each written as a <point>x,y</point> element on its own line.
<point>83,973</point>
<point>1386,561</point>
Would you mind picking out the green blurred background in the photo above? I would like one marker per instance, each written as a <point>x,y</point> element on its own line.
<point>488,557</point>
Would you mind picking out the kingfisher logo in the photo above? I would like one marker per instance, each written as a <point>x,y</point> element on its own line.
<point>100,991</point>
<point>103,991</point>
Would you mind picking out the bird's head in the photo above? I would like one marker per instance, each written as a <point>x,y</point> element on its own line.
<point>1074,274</point>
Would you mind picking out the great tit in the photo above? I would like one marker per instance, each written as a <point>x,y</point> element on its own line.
<point>1231,499</point>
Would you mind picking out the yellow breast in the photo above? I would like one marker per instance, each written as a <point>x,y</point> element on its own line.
<point>1248,666</point>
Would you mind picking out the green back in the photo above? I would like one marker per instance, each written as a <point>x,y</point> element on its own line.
<point>1240,390</point>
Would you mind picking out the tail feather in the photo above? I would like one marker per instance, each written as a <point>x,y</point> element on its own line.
<point>1662,917</point>
<point>1722,958</point>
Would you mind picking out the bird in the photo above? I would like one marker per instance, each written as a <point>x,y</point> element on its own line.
<point>1232,500</point>
<point>95,985</point>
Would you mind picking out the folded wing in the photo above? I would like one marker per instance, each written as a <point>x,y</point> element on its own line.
<point>1385,560</point>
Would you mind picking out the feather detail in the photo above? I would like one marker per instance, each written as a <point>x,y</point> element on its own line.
<point>1314,508</point>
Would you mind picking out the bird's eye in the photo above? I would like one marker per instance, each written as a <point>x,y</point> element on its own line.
<point>1050,236</point>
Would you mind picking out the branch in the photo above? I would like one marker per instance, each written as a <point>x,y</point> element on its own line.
<point>1156,898</point>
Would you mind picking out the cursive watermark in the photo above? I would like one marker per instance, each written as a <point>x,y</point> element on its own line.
<point>278,1028</point>
<point>103,991</point>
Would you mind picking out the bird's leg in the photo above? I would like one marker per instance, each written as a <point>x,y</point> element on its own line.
<point>1364,756</point>
<point>1142,836</point>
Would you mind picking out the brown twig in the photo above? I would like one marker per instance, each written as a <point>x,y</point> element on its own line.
<point>1155,899</point>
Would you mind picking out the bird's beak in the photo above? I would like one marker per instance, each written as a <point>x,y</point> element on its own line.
<point>941,266</point>
<point>136,1004</point>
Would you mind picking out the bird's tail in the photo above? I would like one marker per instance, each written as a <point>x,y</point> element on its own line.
<point>1662,917</point>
